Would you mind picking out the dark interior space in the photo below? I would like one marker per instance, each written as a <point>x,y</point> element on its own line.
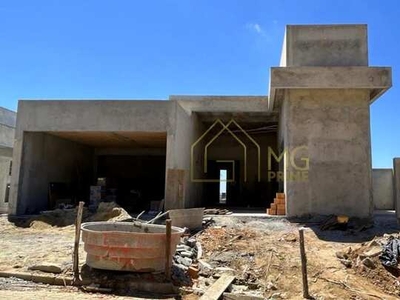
<point>248,185</point>
<point>135,181</point>
<point>123,167</point>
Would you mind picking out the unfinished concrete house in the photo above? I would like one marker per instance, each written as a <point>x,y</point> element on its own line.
<point>310,139</point>
<point>7,131</point>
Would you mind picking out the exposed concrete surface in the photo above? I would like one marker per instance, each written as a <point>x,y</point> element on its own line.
<point>377,80</point>
<point>7,132</point>
<point>4,181</point>
<point>325,45</point>
<point>382,189</point>
<point>396,181</point>
<point>334,126</point>
<point>8,117</point>
<point>45,159</point>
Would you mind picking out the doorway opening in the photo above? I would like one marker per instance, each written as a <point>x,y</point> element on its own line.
<point>223,173</point>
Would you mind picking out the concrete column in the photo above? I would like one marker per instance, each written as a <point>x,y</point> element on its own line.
<point>396,181</point>
<point>323,90</point>
<point>327,143</point>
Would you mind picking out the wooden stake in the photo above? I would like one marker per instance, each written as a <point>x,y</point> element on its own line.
<point>75,260</point>
<point>306,294</point>
<point>168,249</point>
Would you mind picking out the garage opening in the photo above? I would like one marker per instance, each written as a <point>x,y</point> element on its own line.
<point>125,167</point>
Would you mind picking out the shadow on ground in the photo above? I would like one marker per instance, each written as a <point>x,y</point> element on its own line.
<point>357,230</point>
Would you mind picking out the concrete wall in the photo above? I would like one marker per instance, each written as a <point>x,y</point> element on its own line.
<point>382,188</point>
<point>187,129</point>
<point>334,126</point>
<point>396,185</point>
<point>45,159</point>
<point>325,45</point>
<point>5,179</point>
<point>50,116</point>
<point>7,132</point>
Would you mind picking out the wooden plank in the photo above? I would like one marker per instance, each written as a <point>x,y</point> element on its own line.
<point>77,239</point>
<point>216,290</point>
<point>168,249</point>
<point>306,294</point>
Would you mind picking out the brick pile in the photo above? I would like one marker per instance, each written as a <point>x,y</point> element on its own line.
<point>278,207</point>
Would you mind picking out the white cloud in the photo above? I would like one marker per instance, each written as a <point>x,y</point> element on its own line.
<point>255,27</point>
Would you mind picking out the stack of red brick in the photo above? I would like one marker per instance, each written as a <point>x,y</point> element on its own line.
<point>278,207</point>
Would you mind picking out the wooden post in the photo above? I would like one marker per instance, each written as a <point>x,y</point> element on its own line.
<point>306,294</point>
<point>77,239</point>
<point>168,249</point>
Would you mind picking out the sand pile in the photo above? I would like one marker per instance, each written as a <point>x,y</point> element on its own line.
<point>107,211</point>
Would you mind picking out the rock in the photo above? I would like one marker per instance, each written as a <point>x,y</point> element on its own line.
<point>179,275</point>
<point>224,257</point>
<point>289,237</point>
<point>224,269</point>
<point>239,288</point>
<point>346,262</point>
<point>181,248</point>
<point>372,243</point>
<point>373,251</point>
<point>270,286</point>
<point>191,242</point>
<point>221,270</point>
<point>187,254</point>
<point>369,263</point>
<point>233,296</point>
<point>341,255</point>
<point>47,267</point>
<point>183,260</point>
<point>205,268</point>
<point>276,296</point>
<point>253,285</point>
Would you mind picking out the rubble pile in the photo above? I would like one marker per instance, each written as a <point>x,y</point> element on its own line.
<point>376,260</point>
<point>184,265</point>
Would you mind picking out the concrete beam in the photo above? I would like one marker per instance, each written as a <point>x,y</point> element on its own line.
<point>8,117</point>
<point>396,181</point>
<point>6,136</point>
<point>375,79</point>
<point>226,104</point>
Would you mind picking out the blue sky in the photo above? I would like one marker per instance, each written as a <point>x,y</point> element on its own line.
<point>152,49</point>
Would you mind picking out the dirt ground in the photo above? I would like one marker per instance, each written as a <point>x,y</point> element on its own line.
<point>263,254</point>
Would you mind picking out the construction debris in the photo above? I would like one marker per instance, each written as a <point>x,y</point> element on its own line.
<point>184,265</point>
<point>217,211</point>
<point>390,252</point>
<point>216,290</point>
<point>376,260</point>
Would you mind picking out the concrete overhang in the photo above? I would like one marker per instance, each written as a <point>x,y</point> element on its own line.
<point>222,104</point>
<point>375,79</point>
